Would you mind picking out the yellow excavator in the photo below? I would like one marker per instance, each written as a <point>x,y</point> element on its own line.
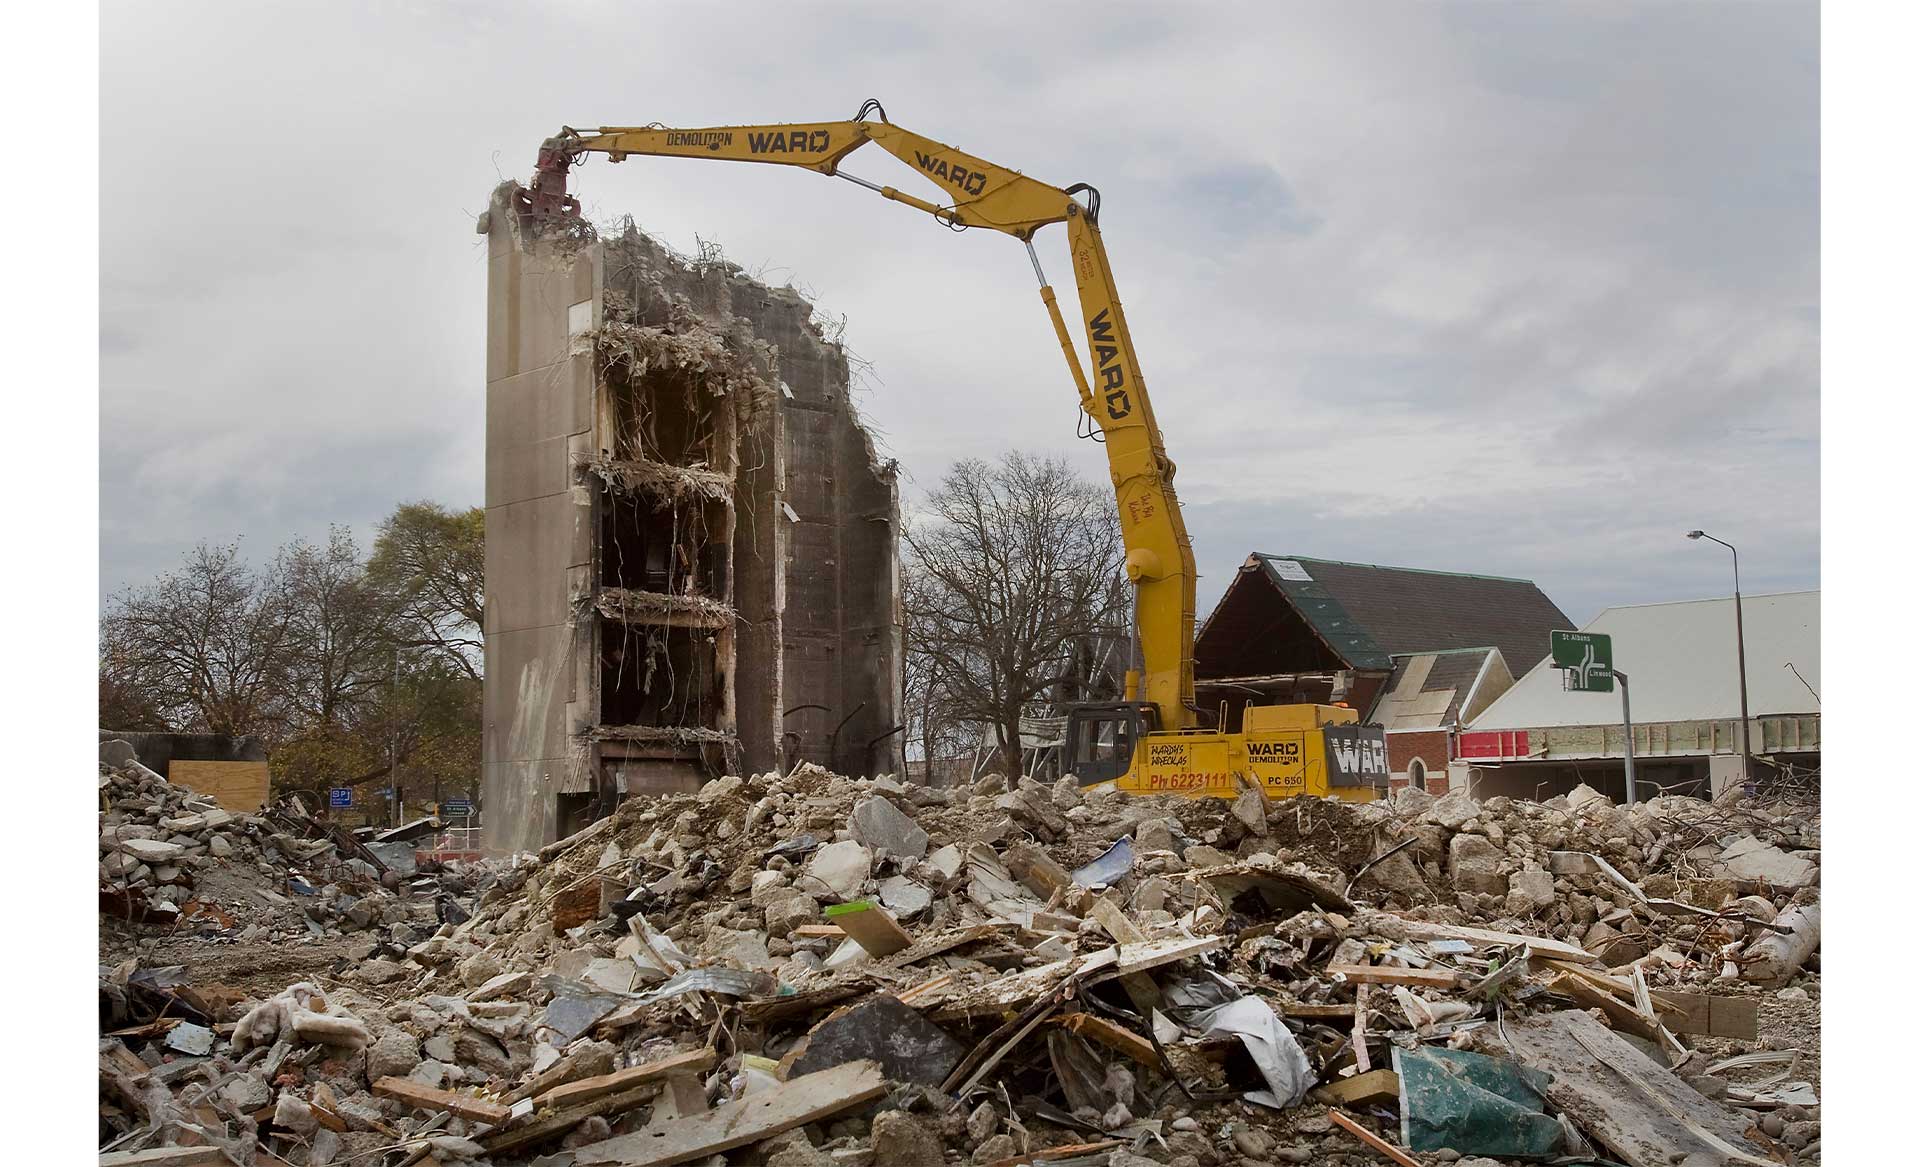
<point>1153,741</point>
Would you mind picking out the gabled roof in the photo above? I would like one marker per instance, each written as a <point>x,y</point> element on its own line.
<point>1681,662</point>
<point>1362,615</point>
<point>1428,689</point>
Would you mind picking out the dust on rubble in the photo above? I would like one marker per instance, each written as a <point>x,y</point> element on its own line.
<point>977,974</point>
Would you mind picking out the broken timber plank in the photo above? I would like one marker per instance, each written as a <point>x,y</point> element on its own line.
<point>326,1116</point>
<point>1054,1154</point>
<point>1316,1012</point>
<point>1114,1037</point>
<point>926,986</point>
<point>1735,1017</point>
<point>1372,1140</point>
<point>1586,1087</point>
<point>1014,991</point>
<point>1619,1013</point>
<point>120,1059</point>
<point>1542,946</point>
<point>164,1157</point>
<point>1669,1109</point>
<point>1599,980</point>
<point>552,1126</point>
<point>1133,958</point>
<point>122,1088</point>
<point>946,942</point>
<point>751,1119</point>
<point>1367,974</point>
<point>1140,987</point>
<point>998,1044</point>
<point>771,1009</point>
<point>418,1094</point>
<point>871,927</point>
<point>1359,1090</point>
<point>587,1089</point>
<point>1613,985</point>
<point>1036,869</point>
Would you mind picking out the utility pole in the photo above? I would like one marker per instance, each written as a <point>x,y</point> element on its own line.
<point>393,743</point>
<point>1740,649</point>
<point>1626,718</point>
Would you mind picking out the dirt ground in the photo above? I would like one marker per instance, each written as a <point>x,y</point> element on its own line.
<point>1785,1023</point>
<point>262,968</point>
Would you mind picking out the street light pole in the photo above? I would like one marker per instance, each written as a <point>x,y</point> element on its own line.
<point>1626,719</point>
<point>1740,648</point>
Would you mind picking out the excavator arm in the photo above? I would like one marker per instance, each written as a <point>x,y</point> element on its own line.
<point>981,194</point>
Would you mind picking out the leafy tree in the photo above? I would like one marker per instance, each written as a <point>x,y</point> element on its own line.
<point>420,730</point>
<point>351,671</point>
<point>433,562</point>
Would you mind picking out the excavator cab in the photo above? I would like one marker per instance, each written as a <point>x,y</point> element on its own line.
<point>1101,737</point>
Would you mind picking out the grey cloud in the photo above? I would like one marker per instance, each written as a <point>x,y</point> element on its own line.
<point>1517,288</point>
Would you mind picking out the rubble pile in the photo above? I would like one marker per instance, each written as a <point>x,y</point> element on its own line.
<point>815,971</point>
<point>172,861</point>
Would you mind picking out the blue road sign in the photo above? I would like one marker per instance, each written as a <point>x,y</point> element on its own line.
<point>340,796</point>
<point>456,807</point>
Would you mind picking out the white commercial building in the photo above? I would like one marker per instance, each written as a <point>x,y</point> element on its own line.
<point>1537,738</point>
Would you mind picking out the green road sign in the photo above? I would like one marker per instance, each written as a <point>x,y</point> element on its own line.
<point>1587,658</point>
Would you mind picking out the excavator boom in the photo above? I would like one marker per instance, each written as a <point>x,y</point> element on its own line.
<point>982,194</point>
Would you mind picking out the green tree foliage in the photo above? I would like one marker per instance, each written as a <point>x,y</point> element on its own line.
<point>433,562</point>
<point>347,667</point>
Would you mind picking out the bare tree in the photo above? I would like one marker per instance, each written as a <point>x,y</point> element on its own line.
<point>203,645</point>
<point>1010,571</point>
<point>934,728</point>
<point>341,632</point>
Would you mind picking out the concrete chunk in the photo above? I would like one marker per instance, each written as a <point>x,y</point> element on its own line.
<point>908,1047</point>
<point>905,898</point>
<point>878,824</point>
<point>1529,892</point>
<point>1474,864</point>
<point>837,871</point>
<point>151,850</point>
<point>1453,811</point>
<point>1749,858</point>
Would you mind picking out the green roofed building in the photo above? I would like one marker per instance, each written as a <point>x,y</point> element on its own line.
<point>1417,651</point>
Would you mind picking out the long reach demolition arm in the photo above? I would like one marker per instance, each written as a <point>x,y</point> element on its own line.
<point>1159,554</point>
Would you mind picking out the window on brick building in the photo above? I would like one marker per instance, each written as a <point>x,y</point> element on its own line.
<point>1417,774</point>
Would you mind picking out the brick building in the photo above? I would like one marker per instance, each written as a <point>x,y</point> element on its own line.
<point>1539,739</point>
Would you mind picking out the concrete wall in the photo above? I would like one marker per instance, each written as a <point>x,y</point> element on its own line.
<point>539,403</point>
<point>816,573</point>
<point>810,666</point>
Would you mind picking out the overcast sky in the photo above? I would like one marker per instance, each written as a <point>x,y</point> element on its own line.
<point>1522,289</point>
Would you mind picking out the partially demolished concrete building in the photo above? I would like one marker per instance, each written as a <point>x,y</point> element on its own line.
<point>692,549</point>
